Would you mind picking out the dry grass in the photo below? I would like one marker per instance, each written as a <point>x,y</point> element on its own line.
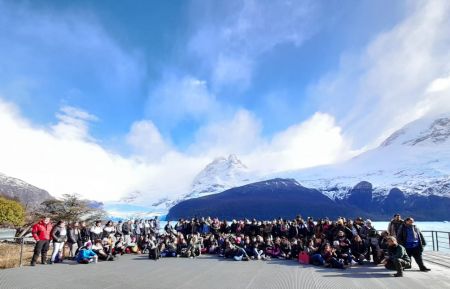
<point>10,255</point>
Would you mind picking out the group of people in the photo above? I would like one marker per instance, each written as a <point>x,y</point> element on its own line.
<point>335,244</point>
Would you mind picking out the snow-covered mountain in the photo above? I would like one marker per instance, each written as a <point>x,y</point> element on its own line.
<point>415,159</point>
<point>221,174</point>
<point>27,194</point>
<point>218,176</point>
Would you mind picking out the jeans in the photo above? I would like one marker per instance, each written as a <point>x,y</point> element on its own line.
<point>317,260</point>
<point>57,247</point>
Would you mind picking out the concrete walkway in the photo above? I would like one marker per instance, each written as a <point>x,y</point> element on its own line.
<point>136,271</point>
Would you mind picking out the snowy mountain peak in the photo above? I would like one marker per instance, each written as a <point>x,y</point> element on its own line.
<point>421,132</point>
<point>220,175</point>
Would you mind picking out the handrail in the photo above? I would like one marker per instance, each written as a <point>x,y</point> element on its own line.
<point>436,241</point>
<point>439,239</point>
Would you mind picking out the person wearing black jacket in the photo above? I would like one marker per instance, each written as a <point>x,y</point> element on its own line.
<point>74,237</point>
<point>359,250</point>
<point>84,233</point>
<point>412,239</point>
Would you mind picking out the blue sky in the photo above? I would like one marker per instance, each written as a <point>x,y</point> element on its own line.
<point>157,82</point>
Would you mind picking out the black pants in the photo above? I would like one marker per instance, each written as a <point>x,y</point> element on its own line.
<point>417,254</point>
<point>40,248</point>
<point>154,253</point>
<point>397,264</point>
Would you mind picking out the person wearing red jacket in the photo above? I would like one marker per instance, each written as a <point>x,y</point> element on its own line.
<point>41,233</point>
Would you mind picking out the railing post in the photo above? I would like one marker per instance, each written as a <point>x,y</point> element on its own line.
<point>437,242</point>
<point>432,239</point>
<point>21,252</point>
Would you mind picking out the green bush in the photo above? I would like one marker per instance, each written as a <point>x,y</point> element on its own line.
<point>11,213</point>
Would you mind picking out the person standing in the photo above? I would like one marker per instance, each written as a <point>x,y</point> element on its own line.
<point>397,258</point>
<point>394,225</point>
<point>84,233</point>
<point>74,237</point>
<point>59,236</point>
<point>41,233</point>
<point>412,239</point>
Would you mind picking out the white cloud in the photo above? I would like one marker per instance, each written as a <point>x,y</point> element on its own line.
<point>240,134</point>
<point>316,141</point>
<point>75,163</point>
<point>73,123</point>
<point>385,87</point>
<point>229,47</point>
<point>176,99</point>
<point>146,140</point>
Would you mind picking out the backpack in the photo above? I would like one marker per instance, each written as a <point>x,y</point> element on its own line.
<point>303,258</point>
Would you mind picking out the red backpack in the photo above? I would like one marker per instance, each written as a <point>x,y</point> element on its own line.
<point>303,258</point>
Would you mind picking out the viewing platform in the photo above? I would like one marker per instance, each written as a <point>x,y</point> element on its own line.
<point>205,272</point>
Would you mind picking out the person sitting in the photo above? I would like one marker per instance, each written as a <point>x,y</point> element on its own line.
<point>119,246</point>
<point>86,255</point>
<point>194,246</point>
<point>237,253</point>
<point>273,248</point>
<point>285,248</point>
<point>397,258</point>
<point>330,257</point>
<point>101,251</point>
<point>168,247</point>
<point>359,250</point>
<point>249,247</point>
<point>343,248</point>
<point>154,252</point>
<point>182,249</point>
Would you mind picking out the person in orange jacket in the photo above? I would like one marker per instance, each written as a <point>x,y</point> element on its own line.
<point>42,234</point>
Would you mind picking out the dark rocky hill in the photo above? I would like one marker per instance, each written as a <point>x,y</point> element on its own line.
<point>286,198</point>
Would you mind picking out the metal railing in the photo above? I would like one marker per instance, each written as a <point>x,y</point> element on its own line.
<point>20,241</point>
<point>437,240</point>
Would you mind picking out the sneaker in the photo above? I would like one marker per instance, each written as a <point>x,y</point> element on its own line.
<point>33,264</point>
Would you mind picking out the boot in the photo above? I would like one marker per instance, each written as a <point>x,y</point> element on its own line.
<point>44,260</point>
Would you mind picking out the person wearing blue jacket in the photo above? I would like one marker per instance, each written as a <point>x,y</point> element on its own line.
<point>86,255</point>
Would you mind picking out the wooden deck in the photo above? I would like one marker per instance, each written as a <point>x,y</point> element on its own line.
<point>136,271</point>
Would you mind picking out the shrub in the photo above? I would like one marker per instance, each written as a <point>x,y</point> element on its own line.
<point>12,213</point>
